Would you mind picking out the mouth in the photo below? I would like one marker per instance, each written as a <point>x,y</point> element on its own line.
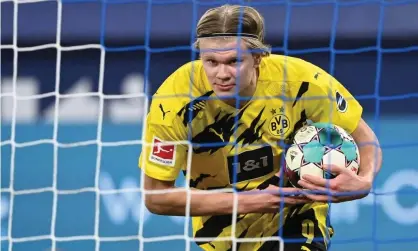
<point>225,87</point>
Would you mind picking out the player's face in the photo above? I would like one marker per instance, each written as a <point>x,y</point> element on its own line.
<point>229,68</point>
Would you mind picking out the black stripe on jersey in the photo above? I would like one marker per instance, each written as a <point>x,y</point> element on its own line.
<point>242,235</point>
<point>292,229</point>
<point>252,134</point>
<point>191,109</point>
<point>272,181</point>
<point>217,135</point>
<point>202,176</point>
<point>270,245</point>
<point>217,187</point>
<point>214,226</point>
<point>299,124</point>
<point>302,90</point>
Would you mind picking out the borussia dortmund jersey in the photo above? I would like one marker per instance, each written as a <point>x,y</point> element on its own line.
<point>241,147</point>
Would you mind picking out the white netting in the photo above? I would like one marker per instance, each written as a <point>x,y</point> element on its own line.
<point>11,94</point>
<point>117,213</point>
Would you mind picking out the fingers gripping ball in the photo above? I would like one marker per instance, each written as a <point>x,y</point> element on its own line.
<point>318,145</point>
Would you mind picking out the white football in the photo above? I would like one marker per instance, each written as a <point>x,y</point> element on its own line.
<point>318,145</point>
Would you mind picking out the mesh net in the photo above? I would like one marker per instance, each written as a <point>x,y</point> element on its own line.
<point>69,176</point>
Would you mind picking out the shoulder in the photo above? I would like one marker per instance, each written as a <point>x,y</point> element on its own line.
<point>181,80</point>
<point>175,92</point>
<point>291,68</point>
<point>296,72</point>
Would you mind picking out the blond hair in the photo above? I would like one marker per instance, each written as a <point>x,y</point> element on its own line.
<point>228,19</point>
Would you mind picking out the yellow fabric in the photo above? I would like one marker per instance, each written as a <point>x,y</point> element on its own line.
<point>289,92</point>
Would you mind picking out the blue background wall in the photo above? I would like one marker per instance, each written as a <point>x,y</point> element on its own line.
<point>380,71</point>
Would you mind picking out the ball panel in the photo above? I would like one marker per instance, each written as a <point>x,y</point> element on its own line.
<point>293,176</point>
<point>313,152</point>
<point>344,134</point>
<point>334,157</point>
<point>293,157</point>
<point>321,125</point>
<point>349,149</point>
<point>330,137</point>
<point>304,134</point>
<point>311,169</point>
<point>353,166</point>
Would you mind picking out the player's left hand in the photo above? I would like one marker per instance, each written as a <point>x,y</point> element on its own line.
<point>345,186</point>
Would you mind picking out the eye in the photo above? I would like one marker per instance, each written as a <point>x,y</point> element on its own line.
<point>235,61</point>
<point>211,62</point>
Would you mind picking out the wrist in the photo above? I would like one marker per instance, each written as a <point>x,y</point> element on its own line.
<point>367,174</point>
<point>247,203</point>
<point>254,202</point>
<point>367,181</point>
<point>244,206</point>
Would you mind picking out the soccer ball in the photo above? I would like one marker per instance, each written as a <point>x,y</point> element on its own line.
<point>318,145</point>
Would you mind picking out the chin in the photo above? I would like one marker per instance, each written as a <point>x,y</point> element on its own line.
<point>220,93</point>
<point>224,91</point>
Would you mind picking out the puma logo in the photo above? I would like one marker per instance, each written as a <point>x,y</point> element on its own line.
<point>162,110</point>
<point>220,135</point>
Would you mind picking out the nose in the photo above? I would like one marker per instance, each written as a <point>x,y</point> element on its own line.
<point>223,72</point>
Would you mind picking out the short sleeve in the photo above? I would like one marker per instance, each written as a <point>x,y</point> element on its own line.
<point>165,148</point>
<point>162,156</point>
<point>328,101</point>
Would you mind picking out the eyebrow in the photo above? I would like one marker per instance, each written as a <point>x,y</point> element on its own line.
<point>211,57</point>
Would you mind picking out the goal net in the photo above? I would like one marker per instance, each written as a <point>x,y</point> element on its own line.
<point>76,82</point>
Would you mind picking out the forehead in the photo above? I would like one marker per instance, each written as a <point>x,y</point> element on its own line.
<point>222,47</point>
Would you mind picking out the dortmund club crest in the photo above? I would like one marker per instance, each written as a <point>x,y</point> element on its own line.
<point>279,123</point>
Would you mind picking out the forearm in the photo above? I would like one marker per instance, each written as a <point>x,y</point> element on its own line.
<point>370,162</point>
<point>370,152</point>
<point>201,204</point>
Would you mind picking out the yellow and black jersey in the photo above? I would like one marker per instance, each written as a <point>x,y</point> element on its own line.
<point>242,148</point>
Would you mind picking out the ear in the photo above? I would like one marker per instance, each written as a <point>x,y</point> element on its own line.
<point>257,60</point>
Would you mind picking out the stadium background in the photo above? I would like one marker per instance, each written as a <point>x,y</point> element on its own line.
<point>370,46</point>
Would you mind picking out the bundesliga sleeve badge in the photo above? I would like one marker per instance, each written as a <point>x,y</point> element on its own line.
<point>162,153</point>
